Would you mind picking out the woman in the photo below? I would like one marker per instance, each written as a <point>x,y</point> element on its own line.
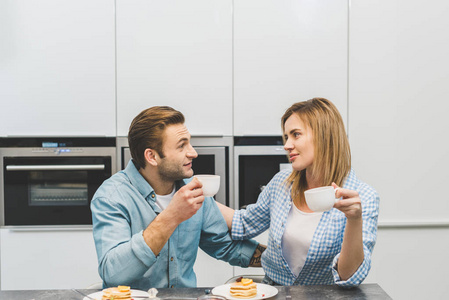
<point>305,247</point>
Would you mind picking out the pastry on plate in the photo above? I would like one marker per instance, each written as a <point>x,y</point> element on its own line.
<point>245,289</point>
<point>122,292</point>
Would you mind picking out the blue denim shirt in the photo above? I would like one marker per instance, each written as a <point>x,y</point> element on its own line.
<point>124,206</point>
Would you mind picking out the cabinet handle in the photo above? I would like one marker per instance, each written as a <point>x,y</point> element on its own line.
<point>54,167</point>
<point>48,228</point>
<point>414,224</point>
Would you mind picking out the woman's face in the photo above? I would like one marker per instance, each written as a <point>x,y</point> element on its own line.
<point>299,143</point>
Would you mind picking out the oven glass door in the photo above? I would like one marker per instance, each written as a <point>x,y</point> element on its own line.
<point>255,172</point>
<point>52,190</point>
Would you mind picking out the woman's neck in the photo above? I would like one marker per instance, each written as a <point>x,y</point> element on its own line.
<point>312,181</point>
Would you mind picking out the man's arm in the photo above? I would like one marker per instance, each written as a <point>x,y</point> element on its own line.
<point>183,206</point>
<point>227,212</point>
<point>124,257</point>
<point>256,259</point>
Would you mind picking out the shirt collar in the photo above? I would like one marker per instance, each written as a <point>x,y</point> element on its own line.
<point>137,180</point>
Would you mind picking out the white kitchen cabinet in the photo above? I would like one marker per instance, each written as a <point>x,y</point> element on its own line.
<point>176,53</point>
<point>399,71</point>
<point>57,259</point>
<point>284,52</point>
<point>57,67</point>
<point>398,256</point>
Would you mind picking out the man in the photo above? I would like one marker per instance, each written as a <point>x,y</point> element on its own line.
<point>148,220</point>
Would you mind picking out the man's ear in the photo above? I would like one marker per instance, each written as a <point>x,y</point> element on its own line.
<point>151,157</point>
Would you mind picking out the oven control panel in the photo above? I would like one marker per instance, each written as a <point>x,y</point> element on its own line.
<point>57,150</point>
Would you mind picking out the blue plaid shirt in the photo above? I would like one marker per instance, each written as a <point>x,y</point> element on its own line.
<point>271,211</point>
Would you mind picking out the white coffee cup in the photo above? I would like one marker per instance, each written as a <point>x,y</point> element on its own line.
<point>321,199</point>
<point>211,184</point>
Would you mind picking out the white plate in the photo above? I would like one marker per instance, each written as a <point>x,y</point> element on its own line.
<point>263,291</point>
<point>98,295</point>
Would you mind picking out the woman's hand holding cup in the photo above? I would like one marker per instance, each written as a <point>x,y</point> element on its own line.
<point>321,199</point>
<point>325,198</point>
<point>350,203</point>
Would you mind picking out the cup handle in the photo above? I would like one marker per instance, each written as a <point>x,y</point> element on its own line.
<point>335,191</point>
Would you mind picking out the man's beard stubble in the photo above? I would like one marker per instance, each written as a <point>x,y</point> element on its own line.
<point>171,171</point>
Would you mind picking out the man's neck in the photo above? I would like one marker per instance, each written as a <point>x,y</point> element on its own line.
<point>160,186</point>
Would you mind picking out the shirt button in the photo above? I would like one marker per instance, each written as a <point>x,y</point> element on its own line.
<point>152,196</point>
<point>171,258</point>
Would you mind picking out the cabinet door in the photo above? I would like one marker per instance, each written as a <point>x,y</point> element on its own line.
<point>398,106</point>
<point>36,260</point>
<point>287,51</point>
<point>176,53</point>
<point>57,72</point>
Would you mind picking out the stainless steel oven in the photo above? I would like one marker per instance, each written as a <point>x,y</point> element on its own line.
<point>51,181</point>
<point>213,158</point>
<point>256,161</point>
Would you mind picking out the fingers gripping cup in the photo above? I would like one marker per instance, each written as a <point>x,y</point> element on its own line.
<point>321,199</point>
<point>211,184</point>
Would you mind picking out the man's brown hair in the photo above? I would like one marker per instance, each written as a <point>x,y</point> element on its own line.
<point>147,131</point>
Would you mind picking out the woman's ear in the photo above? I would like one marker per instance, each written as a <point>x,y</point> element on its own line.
<point>151,157</point>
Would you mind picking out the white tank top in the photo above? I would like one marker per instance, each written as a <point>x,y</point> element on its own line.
<point>297,237</point>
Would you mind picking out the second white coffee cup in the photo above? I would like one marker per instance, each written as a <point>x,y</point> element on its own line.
<point>211,184</point>
<point>321,199</point>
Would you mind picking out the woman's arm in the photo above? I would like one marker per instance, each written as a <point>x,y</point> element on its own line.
<point>227,212</point>
<point>255,219</point>
<point>351,255</point>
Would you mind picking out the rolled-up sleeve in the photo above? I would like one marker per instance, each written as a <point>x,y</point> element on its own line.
<point>370,206</point>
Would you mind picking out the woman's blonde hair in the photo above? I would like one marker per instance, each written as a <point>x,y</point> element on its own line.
<point>332,155</point>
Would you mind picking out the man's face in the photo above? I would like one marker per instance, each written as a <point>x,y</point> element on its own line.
<point>178,152</point>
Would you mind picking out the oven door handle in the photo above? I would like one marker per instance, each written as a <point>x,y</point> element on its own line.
<point>54,167</point>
